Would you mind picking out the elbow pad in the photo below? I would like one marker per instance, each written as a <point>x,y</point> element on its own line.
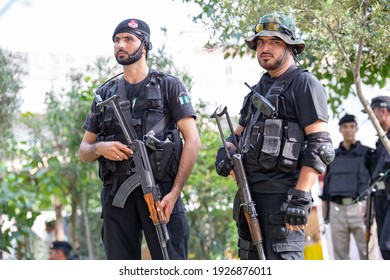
<point>319,151</point>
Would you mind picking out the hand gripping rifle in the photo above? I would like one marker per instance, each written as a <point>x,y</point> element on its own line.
<point>143,175</point>
<point>243,187</point>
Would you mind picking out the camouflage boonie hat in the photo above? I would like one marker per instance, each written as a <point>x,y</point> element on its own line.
<point>277,25</point>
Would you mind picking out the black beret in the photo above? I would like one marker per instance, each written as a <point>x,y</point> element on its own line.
<point>347,118</point>
<point>62,245</point>
<point>134,26</point>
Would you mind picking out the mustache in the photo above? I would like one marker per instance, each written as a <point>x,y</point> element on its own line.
<point>122,51</point>
<point>266,53</point>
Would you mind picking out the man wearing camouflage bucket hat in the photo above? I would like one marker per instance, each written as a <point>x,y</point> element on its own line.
<point>284,142</point>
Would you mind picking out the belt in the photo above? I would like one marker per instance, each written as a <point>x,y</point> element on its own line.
<point>343,200</point>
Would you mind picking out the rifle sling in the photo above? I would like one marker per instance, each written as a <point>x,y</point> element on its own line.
<point>125,105</point>
<point>134,180</point>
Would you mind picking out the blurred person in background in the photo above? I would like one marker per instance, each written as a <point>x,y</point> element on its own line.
<point>346,184</point>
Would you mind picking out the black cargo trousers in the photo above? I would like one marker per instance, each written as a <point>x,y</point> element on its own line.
<point>123,228</point>
<point>279,243</point>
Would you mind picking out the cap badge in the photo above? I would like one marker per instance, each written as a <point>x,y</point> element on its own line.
<point>133,24</point>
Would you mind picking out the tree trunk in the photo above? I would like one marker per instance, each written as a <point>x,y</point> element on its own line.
<point>73,222</point>
<point>370,112</point>
<point>358,81</point>
<point>59,226</point>
<point>84,214</point>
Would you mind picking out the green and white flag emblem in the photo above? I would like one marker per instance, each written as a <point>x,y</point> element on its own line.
<point>184,99</point>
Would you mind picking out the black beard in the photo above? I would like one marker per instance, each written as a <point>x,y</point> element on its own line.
<point>130,59</point>
<point>268,66</point>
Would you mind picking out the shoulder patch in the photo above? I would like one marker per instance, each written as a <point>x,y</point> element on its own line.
<point>183,98</point>
<point>91,114</point>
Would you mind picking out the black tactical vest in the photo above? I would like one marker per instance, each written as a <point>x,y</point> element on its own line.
<point>149,117</point>
<point>347,174</point>
<point>273,143</point>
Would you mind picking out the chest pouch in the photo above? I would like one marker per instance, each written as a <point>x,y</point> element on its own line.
<point>153,98</point>
<point>292,147</point>
<point>252,147</point>
<point>153,105</point>
<point>107,120</point>
<point>272,140</point>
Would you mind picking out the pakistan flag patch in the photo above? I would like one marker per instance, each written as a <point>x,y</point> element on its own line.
<point>183,98</point>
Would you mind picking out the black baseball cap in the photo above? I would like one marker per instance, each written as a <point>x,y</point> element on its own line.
<point>347,119</point>
<point>380,102</point>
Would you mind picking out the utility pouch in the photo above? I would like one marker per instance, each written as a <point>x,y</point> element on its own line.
<point>273,133</point>
<point>153,99</point>
<point>293,139</point>
<point>251,150</point>
<point>161,159</point>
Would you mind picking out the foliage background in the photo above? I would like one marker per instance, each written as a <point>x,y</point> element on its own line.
<point>43,172</point>
<point>47,175</point>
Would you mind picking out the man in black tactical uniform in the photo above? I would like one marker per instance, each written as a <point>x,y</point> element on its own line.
<point>381,107</point>
<point>284,152</point>
<point>160,107</point>
<point>346,182</point>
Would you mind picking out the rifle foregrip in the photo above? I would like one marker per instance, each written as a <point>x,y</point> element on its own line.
<point>163,221</point>
<point>254,227</point>
<point>152,210</point>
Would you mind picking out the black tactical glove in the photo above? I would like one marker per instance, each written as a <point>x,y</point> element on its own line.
<point>298,207</point>
<point>223,165</point>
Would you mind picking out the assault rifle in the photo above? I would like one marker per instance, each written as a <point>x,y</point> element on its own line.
<point>262,103</point>
<point>143,175</point>
<point>369,218</point>
<point>243,187</point>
